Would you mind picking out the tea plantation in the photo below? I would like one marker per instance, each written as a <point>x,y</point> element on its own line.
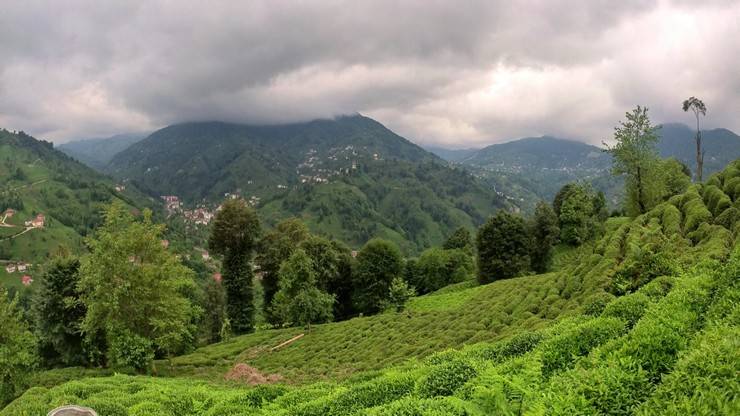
<point>644,321</point>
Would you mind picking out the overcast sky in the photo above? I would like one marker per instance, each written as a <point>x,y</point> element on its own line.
<point>454,73</point>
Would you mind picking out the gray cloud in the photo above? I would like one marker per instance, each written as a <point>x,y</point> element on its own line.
<point>442,72</point>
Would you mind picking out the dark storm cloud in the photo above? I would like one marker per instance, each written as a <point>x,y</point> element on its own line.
<point>438,72</point>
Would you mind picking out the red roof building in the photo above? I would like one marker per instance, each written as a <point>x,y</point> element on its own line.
<point>26,280</point>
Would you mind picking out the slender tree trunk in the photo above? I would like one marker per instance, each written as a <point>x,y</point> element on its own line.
<point>640,192</point>
<point>699,155</point>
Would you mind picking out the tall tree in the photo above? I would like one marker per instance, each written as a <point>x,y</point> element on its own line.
<point>378,263</point>
<point>635,156</point>
<point>698,108</point>
<point>460,239</point>
<point>503,247</point>
<point>58,313</point>
<point>299,300</point>
<point>17,358</point>
<point>273,249</point>
<point>235,231</point>
<point>545,232</point>
<point>135,291</point>
<point>576,217</point>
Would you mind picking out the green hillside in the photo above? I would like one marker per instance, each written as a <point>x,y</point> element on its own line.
<point>36,179</point>
<point>643,321</point>
<point>349,178</point>
<point>97,153</point>
<point>530,169</point>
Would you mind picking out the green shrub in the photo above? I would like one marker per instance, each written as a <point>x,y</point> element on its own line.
<point>671,220</point>
<point>560,352</point>
<point>695,213</point>
<point>412,406</point>
<point>705,380</point>
<point>129,350</point>
<point>595,304</point>
<point>728,218</point>
<point>615,387</point>
<point>517,345</point>
<point>664,330</point>
<point>369,394</point>
<point>628,308</point>
<point>658,287</point>
<point>445,378</point>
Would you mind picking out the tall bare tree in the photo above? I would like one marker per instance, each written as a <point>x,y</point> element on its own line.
<point>697,106</point>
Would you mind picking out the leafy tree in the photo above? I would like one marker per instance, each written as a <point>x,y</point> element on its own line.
<point>135,291</point>
<point>545,233</point>
<point>635,157</point>
<point>233,236</point>
<point>215,310</point>
<point>273,249</point>
<point>576,216</point>
<point>332,264</point>
<point>299,300</point>
<point>561,195</point>
<point>58,313</point>
<point>378,263</point>
<point>17,358</point>
<point>460,239</point>
<point>437,268</point>
<point>503,247</point>
<point>698,108</point>
<point>676,176</point>
<point>399,293</point>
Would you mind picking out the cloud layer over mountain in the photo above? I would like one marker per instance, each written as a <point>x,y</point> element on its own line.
<point>438,72</point>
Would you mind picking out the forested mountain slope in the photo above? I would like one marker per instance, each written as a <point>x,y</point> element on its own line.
<point>644,321</point>
<point>97,153</point>
<point>535,168</point>
<point>62,196</point>
<point>349,178</point>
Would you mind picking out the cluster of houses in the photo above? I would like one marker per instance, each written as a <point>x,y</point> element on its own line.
<point>200,216</point>
<point>17,267</point>
<point>20,267</point>
<point>7,214</point>
<point>171,203</point>
<point>36,222</point>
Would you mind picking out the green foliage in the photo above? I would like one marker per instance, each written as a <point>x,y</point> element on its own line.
<point>561,351</point>
<point>273,249</point>
<point>235,231</point>
<point>460,239</point>
<point>17,357</point>
<point>58,313</point>
<point>399,293</point>
<point>635,156</point>
<point>628,308</point>
<point>577,217</point>
<point>545,232</point>
<point>503,247</point>
<point>705,379</point>
<point>444,379</point>
<point>127,349</point>
<point>378,263</point>
<point>595,304</point>
<point>299,300</point>
<point>214,310</point>
<point>437,268</point>
<point>131,284</point>
<point>676,176</point>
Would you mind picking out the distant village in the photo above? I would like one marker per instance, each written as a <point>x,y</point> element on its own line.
<point>20,266</point>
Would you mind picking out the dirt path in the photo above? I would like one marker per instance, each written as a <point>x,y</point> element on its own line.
<point>29,185</point>
<point>18,235</point>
